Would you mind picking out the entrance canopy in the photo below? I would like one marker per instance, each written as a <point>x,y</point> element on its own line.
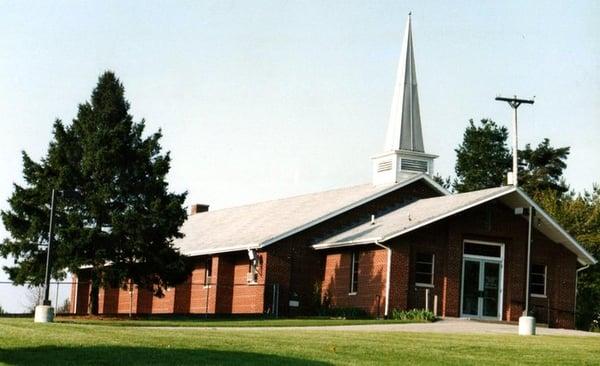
<point>427,211</point>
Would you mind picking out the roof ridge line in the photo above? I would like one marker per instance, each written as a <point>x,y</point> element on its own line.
<point>295,196</point>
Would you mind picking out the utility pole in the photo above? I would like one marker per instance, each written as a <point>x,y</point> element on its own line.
<point>514,103</point>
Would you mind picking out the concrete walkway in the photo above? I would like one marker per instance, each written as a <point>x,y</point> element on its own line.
<point>457,326</point>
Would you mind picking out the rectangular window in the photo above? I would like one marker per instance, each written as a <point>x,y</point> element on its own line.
<point>354,272</point>
<point>207,271</point>
<point>537,280</point>
<point>483,250</point>
<point>424,266</point>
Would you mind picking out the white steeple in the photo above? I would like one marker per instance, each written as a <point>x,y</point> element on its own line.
<point>404,153</point>
<point>404,129</point>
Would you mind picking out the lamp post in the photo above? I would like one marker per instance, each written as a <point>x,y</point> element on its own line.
<point>45,313</point>
<point>48,260</point>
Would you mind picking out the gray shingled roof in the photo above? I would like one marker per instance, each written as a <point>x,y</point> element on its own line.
<point>260,224</point>
<point>427,211</point>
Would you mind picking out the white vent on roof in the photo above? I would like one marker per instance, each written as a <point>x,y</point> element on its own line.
<point>384,166</point>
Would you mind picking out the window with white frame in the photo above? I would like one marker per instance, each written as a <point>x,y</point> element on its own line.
<point>537,280</point>
<point>424,265</point>
<point>354,272</point>
<point>207,271</point>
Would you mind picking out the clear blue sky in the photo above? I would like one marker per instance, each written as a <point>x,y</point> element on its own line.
<point>259,100</point>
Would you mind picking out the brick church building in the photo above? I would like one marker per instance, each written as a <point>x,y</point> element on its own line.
<point>399,242</point>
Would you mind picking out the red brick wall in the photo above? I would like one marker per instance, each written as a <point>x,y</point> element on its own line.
<point>511,230</point>
<point>298,269</point>
<point>494,223</point>
<point>399,275</point>
<point>73,295</point>
<point>203,297</point>
<point>82,293</point>
<point>370,294</point>
<point>432,241</point>
<point>557,308</point>
<point>229,291</point>
<point>247,298</point>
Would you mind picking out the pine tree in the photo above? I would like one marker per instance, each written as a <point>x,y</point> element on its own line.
<point>115,219</point>
<point>542,168</point>
<point>483,158</point>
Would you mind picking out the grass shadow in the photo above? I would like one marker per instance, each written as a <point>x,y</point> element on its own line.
<point>131,355</point>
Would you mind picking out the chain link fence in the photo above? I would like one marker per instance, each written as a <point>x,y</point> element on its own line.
<point>23,299</point>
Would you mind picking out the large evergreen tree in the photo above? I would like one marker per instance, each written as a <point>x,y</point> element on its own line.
<point>483,158</point>
<point>115,217</point>
<point>542,168</point>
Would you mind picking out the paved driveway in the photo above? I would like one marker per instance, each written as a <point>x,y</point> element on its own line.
<point>442,326</point>
<point>457,326</point>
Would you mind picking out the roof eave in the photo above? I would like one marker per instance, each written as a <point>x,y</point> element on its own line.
<point>347,243</point>
<point>237,248</point>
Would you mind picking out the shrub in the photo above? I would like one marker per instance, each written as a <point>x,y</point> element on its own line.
<point>347,313</point>
<point>414,314</point>
<point>595,324</point>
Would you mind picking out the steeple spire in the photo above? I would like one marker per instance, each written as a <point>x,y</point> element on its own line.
<point>404,153</point>
<point>404,128</point>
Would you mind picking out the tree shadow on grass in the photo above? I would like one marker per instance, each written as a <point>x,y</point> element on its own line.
<point>131,355</point>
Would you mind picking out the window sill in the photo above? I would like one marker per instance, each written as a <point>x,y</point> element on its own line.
<point>253,283</point>
<point>424,285</point>
<point>539,296</point>
<point>207,286</point>
<point>351,293</point>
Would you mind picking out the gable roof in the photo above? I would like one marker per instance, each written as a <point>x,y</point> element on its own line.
<point>261,224</point>
<point>427,211</point>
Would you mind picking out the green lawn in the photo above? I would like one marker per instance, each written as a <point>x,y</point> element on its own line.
<point>22,342</point>
<point>233,322</point>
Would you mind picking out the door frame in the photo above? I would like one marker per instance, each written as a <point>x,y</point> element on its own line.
<point>480,258</point>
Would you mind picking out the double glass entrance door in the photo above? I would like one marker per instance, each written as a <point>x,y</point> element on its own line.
<point>481,288</point>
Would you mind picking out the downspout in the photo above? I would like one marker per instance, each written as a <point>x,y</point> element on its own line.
<point>576,290</point>
<point>387,275</point>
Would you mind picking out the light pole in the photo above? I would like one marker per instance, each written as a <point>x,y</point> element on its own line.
<point>515,103</point>
<point>45,313</point>
<point>48,261</point>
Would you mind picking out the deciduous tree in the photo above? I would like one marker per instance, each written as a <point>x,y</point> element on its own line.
<point>579,214</point>
<point>483,158</point>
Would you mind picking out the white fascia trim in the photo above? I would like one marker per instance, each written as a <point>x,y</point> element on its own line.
<point>447,214</point>
<point>353,205</point>
<point>582,251</point>
<point>221,250</point>
<point>345,243</point>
